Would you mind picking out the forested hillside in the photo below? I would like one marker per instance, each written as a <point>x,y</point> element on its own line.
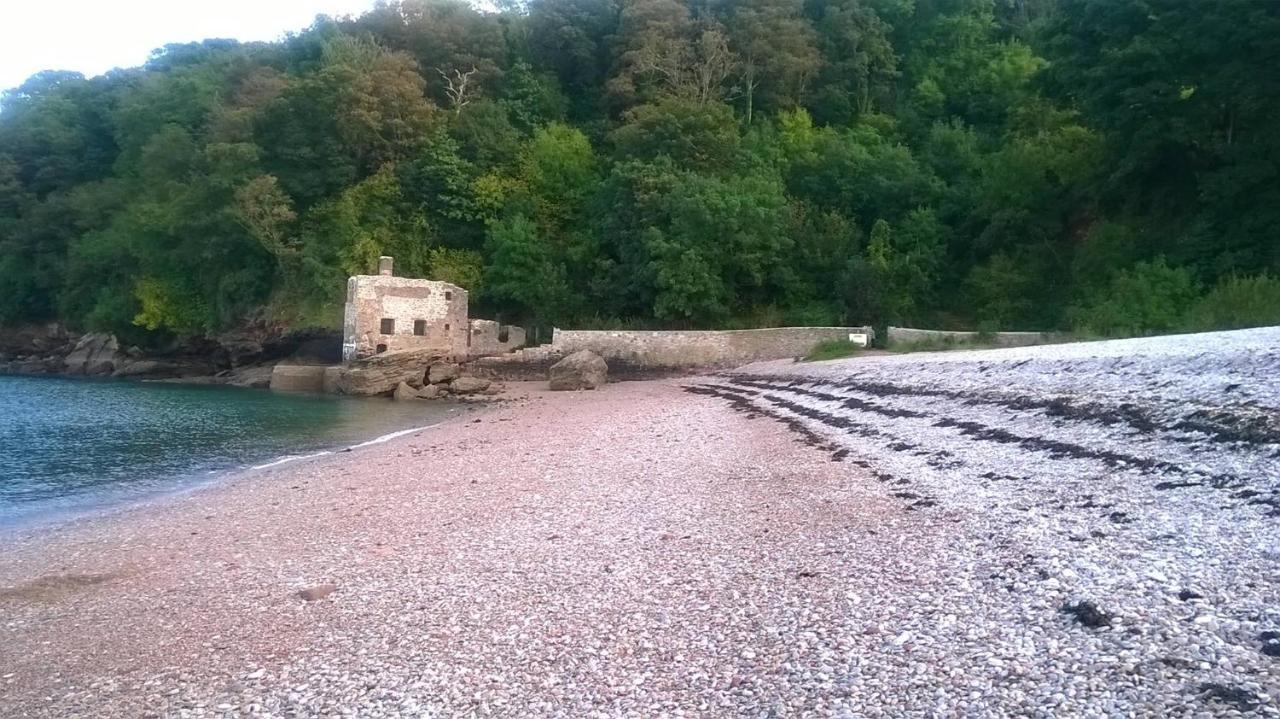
<point>1096,165</point>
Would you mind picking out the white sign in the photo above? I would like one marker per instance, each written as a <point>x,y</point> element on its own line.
<point>858,338</point>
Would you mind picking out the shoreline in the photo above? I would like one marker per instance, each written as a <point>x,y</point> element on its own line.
<point>872,538</point>
<point>59,510</point>
<point>196,480</point>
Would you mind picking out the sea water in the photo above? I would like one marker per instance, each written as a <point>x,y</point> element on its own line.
<point>69,446</point>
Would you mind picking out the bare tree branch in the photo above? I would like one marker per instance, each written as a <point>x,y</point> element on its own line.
<point>458,87</point>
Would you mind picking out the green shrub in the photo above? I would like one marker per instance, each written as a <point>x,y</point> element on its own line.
<point>1149,298</point>
<point>1236,303</point>
<point>832,349</point>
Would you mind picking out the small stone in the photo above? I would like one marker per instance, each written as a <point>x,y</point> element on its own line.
<point>318,592</point>
<point>1088,614</point>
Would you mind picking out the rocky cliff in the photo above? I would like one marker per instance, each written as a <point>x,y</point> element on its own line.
<point>242,358</point>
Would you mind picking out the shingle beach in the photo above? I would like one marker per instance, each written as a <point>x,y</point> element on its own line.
<point>1070,530</point>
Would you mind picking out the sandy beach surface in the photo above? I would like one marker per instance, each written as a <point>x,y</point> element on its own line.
<point>784,541</point>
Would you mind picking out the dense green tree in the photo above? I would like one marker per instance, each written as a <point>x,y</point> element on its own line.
<point>523,270</point>
<point>1022,164</point>
<point>859,66</point>
<point>703,137</point>
<point>573,39</point>
<point>650,51</point>
<point>532,99</point>
<point>449,39</point>
<point>776,48</point>
<point>1177,91</point>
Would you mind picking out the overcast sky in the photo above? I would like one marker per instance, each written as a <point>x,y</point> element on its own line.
<point>93,36</point>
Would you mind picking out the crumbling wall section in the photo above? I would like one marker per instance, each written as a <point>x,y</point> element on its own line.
<point>492,338</point>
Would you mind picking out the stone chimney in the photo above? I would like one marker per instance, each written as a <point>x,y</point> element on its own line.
<point>384,266</point>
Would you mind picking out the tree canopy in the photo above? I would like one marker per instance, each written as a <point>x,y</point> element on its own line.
<point>1105,166</point>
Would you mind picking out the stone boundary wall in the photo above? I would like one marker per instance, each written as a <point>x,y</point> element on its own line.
<point>640,350</point>
<point>910,336</point>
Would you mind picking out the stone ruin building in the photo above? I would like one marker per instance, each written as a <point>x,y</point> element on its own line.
<point>386,313</point>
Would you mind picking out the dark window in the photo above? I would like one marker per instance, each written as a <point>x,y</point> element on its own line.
<point>419,327</point>
<point>503,334</point>
<point>381,349</point>
<point>446,326</point>
<point>448,295</point>
<point>388,326</point>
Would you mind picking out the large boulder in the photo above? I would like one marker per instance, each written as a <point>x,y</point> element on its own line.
<point>468,385</point>
<point>443,372</point>
<point>382,373</point>
<point>583,369</point>
<point>95,353</point>
<point>403,391</point>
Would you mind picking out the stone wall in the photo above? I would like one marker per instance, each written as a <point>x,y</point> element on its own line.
<point>909,336</point>
<point>372,298</point>
<point>298,378</point>
<point>672,350</point>
<point>491,338</point>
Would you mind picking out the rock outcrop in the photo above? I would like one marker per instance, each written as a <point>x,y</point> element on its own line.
<point>581,370</point>
<point>443,372</point>
<point>95,354</point>
<point>382,373</point>
<point>162,369</point>
<point>468,385</point>
<point>241,358</point>
<point>258,377</point>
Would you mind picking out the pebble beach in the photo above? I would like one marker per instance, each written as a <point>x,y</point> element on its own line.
<point>1069,530</point>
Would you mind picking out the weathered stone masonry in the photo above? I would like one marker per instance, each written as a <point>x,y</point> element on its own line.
<point>385,313</point>
<point>700,348</point>
<point>638,354</point>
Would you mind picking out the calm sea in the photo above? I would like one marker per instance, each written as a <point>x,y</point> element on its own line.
<point>69,446</point>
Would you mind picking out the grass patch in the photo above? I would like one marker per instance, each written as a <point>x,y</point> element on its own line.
<point>833,349</point>
<point>942,344</point>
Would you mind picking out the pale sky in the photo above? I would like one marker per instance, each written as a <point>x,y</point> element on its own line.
<point>94,36</point>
